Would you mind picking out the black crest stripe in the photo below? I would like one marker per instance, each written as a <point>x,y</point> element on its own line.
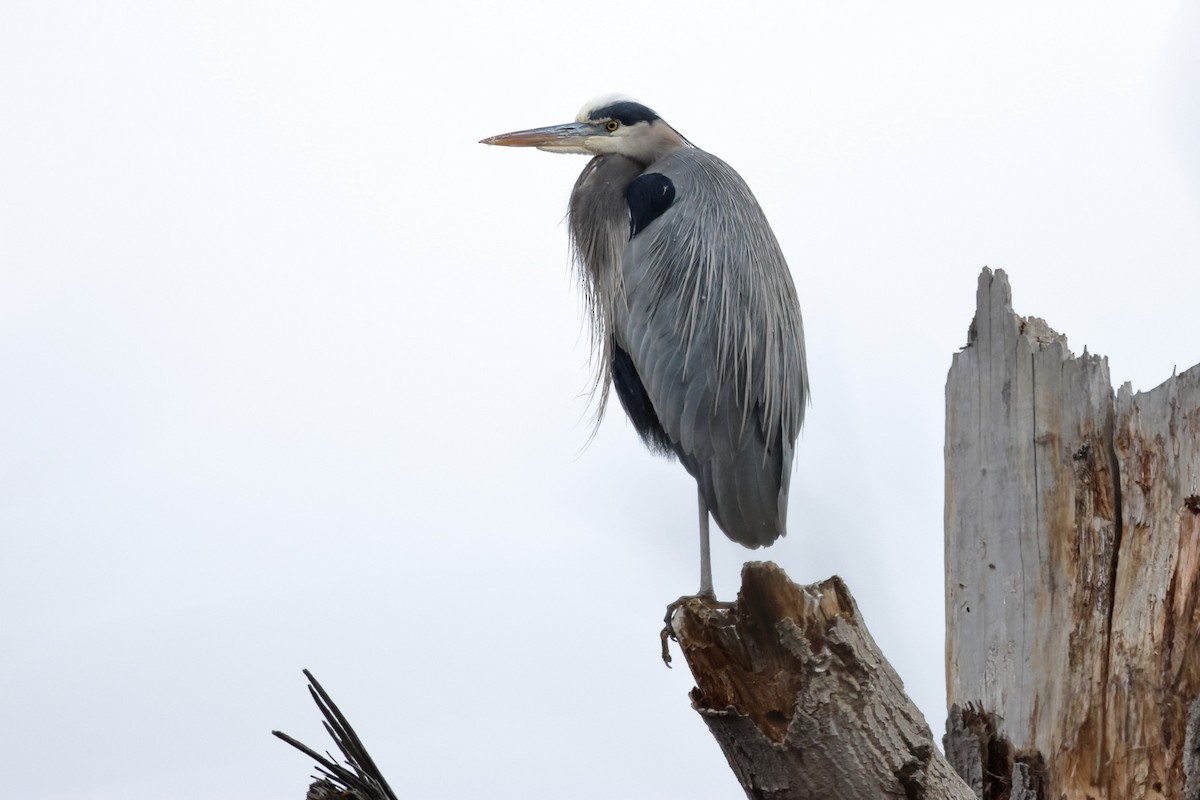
<point>626,112</point>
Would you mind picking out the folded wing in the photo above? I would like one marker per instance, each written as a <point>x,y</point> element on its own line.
<point>711,329</point>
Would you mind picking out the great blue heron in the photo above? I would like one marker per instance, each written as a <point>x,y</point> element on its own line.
<point>693,311</point>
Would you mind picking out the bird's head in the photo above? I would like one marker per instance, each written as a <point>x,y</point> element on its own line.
<point>609,124</point>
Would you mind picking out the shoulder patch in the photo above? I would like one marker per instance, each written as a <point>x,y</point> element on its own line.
<point>648,197</point>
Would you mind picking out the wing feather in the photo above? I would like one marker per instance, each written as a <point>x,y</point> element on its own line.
<point>712,324</point>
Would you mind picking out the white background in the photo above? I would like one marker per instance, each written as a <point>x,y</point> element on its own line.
<point>294,371</point>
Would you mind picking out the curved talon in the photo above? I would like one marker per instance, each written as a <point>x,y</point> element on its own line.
<point>709,601</point>
<point>668,631</point>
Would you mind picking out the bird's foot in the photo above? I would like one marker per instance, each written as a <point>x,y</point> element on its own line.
<point>664,634</point>
<point>708,598</point>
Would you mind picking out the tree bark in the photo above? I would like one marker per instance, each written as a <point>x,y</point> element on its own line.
<point>800,699</point>
<point>1072,569</point>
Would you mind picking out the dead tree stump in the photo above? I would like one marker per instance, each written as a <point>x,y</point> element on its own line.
<point>800,699</point>
<point>1072,569</point>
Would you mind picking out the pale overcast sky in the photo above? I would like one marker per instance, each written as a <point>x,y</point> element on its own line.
<point>294,370</point>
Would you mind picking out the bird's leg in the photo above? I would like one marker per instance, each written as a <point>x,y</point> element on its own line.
<point>706,582</point>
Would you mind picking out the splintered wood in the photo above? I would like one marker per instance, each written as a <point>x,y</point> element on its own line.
<point>800,699</point>
<point>1072,568</point>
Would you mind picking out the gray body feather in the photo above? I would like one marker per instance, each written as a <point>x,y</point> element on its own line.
<point>702,301</point>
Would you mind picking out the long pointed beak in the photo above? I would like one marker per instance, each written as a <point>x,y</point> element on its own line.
<point>552,137</point>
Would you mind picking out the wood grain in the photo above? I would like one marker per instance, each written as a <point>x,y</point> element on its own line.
<point>1072,561</point>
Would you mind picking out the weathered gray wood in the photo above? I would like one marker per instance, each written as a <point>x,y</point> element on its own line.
<point>800,699</point>
<point>1154,653</point>
<point>1072,566</point>
<point>1030,529</point>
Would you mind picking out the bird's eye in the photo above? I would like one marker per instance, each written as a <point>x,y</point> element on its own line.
<point>612,125</point>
